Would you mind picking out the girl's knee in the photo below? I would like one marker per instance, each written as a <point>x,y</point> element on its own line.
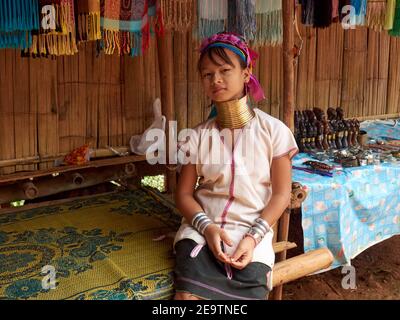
<point>185,296</point>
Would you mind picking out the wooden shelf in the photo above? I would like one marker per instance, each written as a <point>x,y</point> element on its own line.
<point>92,164</point>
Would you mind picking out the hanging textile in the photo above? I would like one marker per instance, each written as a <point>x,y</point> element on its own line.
<point>269,23</point>
<point>212,17</point>
<point>396,22</point>
<point>376,12</point>
<point>88,20</point>
<point>335,10</point>
<point>361,11</point>
<point>17,20</point>
<point>307,12</point>
<point>156,17</point>
<point>58,38</point>
<point>242,18</point>
<point>322,14</point>
<point>125,24</point>
<point>178,15</point>
<point>389,15</point>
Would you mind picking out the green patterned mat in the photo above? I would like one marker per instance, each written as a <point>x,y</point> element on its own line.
<point>101,248</point>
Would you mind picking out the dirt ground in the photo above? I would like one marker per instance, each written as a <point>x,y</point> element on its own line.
<point>377,277</point>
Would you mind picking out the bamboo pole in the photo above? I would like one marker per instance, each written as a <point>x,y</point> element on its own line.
<point>300,266</point>
<point>288,113</point>
<point>64,182</point>
<point>288,66</point>
<point>166,66</point>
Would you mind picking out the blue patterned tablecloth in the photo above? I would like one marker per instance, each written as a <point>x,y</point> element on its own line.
<point>353,210</point>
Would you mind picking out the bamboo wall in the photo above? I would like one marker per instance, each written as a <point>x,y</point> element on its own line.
<point>50,106</point>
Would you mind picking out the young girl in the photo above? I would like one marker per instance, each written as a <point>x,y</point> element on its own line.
<point>224,245</point>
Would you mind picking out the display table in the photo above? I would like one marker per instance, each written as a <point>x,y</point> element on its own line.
<point>356,208</point>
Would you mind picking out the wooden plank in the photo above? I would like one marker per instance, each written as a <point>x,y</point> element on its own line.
<point>7,137</point>
<point>180,79</point>
<point>24,126</point>
<point>196,96</point>
<point>393,94</point>
<point>92,99</point>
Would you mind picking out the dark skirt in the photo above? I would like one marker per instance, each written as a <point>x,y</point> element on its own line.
<point>206,277</point>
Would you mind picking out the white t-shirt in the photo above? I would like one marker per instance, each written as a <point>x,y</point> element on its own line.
<point>235,187</point>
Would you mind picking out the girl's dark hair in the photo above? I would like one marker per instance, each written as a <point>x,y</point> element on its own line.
<point>220,52</point>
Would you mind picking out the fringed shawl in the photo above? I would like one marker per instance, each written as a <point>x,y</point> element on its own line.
<point>126,28</point>
<point>396,23</point>
<point>212,17</point>
<point>361,11</point>
<point>269,23</point>
<point>242,18</point>
<point>322,14</point>
<point>88,20</point>
<point>178,15</point>
<point>17,20</point>
<point>376,13</point>
<point>62,39</point>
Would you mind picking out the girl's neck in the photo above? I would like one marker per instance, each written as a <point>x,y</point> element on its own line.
<point>234,114</point>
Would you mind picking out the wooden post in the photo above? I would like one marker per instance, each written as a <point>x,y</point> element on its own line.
<point>288,62</point>
<point>288,11</point>
<point>166,65</point>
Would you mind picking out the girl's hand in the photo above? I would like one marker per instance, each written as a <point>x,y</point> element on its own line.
<point>214,235</point>
<point>243,254</point>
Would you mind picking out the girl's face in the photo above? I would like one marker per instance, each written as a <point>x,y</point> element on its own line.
<point>223,81</point>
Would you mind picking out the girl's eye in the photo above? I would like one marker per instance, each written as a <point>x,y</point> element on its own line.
<point>226,70</point>
<point>207,75</point>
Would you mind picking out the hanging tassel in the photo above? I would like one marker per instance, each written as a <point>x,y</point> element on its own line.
<point>376,13</point>
<point>322,14</point>
<point>177,15</point>
<point>269,23</point>
<point>88,12</point>
<point>396,22</point>
<point>17,20</point>
<point>242,18</point>
<point>389,15</point>
<point>361,11</point>
<point>212,17</point>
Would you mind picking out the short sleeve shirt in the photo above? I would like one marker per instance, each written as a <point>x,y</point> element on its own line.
<point>235,181</point>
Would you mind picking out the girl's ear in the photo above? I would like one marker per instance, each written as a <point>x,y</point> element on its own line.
<point>246,74</point>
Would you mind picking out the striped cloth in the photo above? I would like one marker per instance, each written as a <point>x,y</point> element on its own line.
<point>17,19</point>
<point>125,24</point>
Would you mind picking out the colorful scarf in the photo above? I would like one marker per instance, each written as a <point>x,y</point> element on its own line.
<point>242,18</point>
<point>239,46</point>
<point>178,14</point>
<point>335,10</point>
<point>269,23</point>
<point>212,17</point>
<point>376,13</point>
<point>316,13</point>
<point>17,20</point>
<point>88,14</point>
<point>59,39</point>
<point>322,14</point>
<point>156,17</point>
<point>396,23</point>
<point>126,27</point>
<point>389,16</point>
<point>307,12</point>
<point>361,11</point>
